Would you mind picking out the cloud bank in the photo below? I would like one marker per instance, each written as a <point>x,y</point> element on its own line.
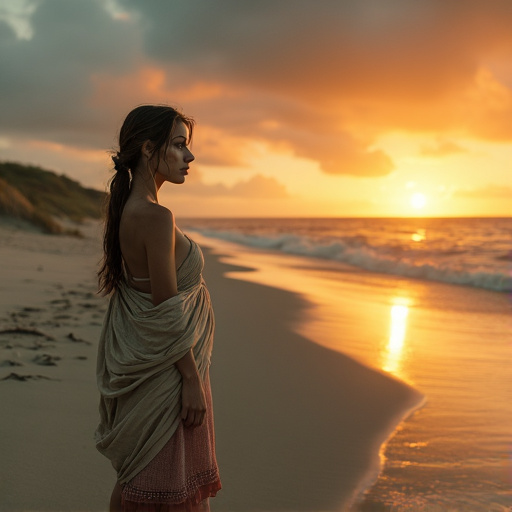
<point>318,80</point>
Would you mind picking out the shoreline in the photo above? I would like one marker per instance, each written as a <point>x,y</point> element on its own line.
<point>334,413</point>
<point>451,342</point>
<point>286,437</point>
<point>300,425</point>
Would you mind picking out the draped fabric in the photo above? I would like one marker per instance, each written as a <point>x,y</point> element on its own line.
<point>183,474</point>
<point>139,384</point>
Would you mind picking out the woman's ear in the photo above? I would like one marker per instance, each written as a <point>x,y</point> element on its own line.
<point>147,149</point>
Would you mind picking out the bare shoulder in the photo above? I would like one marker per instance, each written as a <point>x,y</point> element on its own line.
<point>154,212</point>
<point>158,221</point>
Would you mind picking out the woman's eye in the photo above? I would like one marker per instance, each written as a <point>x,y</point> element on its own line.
<point>180,145</point>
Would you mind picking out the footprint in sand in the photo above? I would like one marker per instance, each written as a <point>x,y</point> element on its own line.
<point>38,346</point>
<point>30,332</point>
<point>18,336</point>
<point>61,303</point>
<point>10,362</point>
<point>73,338</point>
<point>25,378</point>
<point>46,360</point>
<point>88,305</point>
<point>32,310</point>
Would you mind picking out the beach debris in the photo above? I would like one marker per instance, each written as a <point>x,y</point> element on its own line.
<point>61,303</point>
<point>79,293</point>
<point>88,305</point>
<point>10,362</point>
<point>29,309</point>
<point>23,330</point>
<point>73,338</point>
<point>25,378</point>
<point>38,346</point>
<point>46,360</point>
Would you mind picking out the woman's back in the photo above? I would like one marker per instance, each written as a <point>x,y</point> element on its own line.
<point>137,217</point>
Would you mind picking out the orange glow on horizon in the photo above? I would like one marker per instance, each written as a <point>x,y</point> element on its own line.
<point>87,155</point>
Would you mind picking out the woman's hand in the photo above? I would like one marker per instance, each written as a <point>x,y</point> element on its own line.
<point>193,401</point>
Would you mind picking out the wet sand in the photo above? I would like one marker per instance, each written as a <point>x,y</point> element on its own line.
<point>307,383</point>
<point>451,343</point>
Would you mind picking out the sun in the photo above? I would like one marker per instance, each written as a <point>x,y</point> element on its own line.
<point>418,200</point>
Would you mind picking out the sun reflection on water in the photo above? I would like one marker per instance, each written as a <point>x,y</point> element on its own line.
<point>393,354</point>
<point>419,236</point>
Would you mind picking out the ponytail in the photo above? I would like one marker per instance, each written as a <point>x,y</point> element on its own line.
<point>111,271</point>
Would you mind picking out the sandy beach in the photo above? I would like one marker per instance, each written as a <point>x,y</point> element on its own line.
<point>308,390</point>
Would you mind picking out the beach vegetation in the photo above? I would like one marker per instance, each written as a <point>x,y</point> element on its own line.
<point>44,199</point>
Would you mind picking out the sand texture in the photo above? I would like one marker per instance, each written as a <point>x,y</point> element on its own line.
<point>300,425</point>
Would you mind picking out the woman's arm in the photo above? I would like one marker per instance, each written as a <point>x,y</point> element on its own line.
<point>159,241</point>
<point>160,250</point>
<point>193,401</point>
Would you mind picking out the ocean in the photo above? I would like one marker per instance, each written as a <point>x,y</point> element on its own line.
<point>468,251</point>
<point>425,301</point>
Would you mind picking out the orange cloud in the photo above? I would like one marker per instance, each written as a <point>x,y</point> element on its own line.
<point>230,122</point>
<point>339,153</point>
<point>490,191</point>
<point>324,86</point>
<point>256,187</point>
<point>71,152</point>
<point>442,148</point>
<point>213,146</point>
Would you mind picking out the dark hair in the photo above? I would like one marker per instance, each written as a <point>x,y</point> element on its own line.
<point>146,122</point>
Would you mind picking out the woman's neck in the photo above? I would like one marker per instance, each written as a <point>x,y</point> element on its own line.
<point>144,185</point>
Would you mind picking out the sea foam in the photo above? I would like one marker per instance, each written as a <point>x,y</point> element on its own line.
<point>449,265</point>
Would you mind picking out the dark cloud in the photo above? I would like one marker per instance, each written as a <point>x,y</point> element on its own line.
<point>46,81</point>
<point>322,51</point>
<point>321,79</point>
<point>342,65</point>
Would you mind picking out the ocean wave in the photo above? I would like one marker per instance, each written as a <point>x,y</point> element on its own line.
<point>356,251</point>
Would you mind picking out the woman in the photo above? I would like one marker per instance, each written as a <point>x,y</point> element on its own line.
<point>156,423</point>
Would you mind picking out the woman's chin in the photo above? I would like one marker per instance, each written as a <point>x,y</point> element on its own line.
<point>179,180</point>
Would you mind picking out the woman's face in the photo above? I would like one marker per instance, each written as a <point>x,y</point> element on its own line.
<point>175,157</point>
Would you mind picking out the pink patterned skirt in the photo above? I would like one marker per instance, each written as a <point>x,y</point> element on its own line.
<point>183,475</point>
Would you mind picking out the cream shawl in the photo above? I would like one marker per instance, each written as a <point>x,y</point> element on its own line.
<point>139,384</point>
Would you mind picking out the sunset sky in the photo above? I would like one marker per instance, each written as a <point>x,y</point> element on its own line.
<point>303,108</point>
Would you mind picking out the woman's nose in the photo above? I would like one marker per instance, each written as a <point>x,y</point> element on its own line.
<point>189,156</point>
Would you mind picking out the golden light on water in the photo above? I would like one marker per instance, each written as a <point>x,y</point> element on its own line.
<point>397,333</point>
<point>419,236</point>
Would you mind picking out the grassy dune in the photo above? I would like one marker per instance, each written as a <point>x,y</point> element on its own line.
<point>42,198</point>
